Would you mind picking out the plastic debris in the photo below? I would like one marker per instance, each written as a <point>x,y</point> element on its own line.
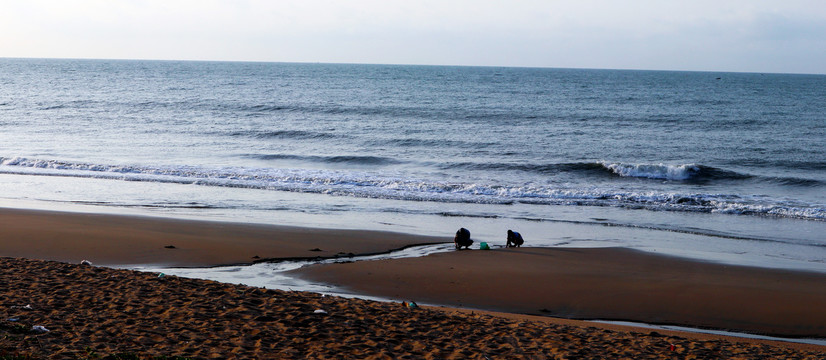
<point>319,311</point>
<point>161,275</point>
<point>484,246</point>
<point>13,319</point>
<point>39,329</point>
<point>410,304</point>
<point>86,262</point>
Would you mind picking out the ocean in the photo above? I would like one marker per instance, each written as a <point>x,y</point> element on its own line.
<point>724,167</point>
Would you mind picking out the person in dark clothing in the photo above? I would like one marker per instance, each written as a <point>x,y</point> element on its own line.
<point>462,239</point>
<point>514,239</point>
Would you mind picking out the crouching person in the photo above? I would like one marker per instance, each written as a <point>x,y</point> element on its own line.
<point>514,239</point>
<point>462,239</point>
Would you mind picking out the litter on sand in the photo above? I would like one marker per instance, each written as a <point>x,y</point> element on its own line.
<point>85,262</point>
<point>319,311</point>
<point>410,304</point>
<point>39,329</point>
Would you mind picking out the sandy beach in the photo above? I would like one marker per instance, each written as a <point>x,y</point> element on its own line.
<point>94,310</point>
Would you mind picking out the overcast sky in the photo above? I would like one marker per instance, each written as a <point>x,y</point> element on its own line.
<point>719,35</point>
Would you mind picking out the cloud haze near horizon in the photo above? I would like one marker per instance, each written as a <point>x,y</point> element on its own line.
<point>755,36</point>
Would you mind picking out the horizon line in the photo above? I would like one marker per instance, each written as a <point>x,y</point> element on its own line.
<point>406,64</point>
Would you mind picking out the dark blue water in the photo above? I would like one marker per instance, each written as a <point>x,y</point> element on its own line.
<point>728,155</point>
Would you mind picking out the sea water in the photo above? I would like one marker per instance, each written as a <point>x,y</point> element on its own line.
<point>726,167</point>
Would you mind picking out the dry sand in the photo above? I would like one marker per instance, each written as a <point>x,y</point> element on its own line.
<point>100,311</point>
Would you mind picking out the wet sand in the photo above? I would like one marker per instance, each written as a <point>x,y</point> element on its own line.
<point>132,240</point>
<point>601,283</point>
<point>102,311</point>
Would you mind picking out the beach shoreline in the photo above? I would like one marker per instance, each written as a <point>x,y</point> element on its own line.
<point>115,240</point>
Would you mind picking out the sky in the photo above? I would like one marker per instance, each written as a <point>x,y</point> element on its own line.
<point>782,36</point>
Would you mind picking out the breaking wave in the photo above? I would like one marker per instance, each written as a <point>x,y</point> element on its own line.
<point>683,172</point>
<point>690,173</point>
<point>372,185</point>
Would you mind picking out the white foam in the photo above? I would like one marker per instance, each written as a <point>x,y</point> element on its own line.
<point>653,171</point>
<point>385,186</point>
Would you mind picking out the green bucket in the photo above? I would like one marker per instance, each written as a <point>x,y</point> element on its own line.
<point>484,246</point>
